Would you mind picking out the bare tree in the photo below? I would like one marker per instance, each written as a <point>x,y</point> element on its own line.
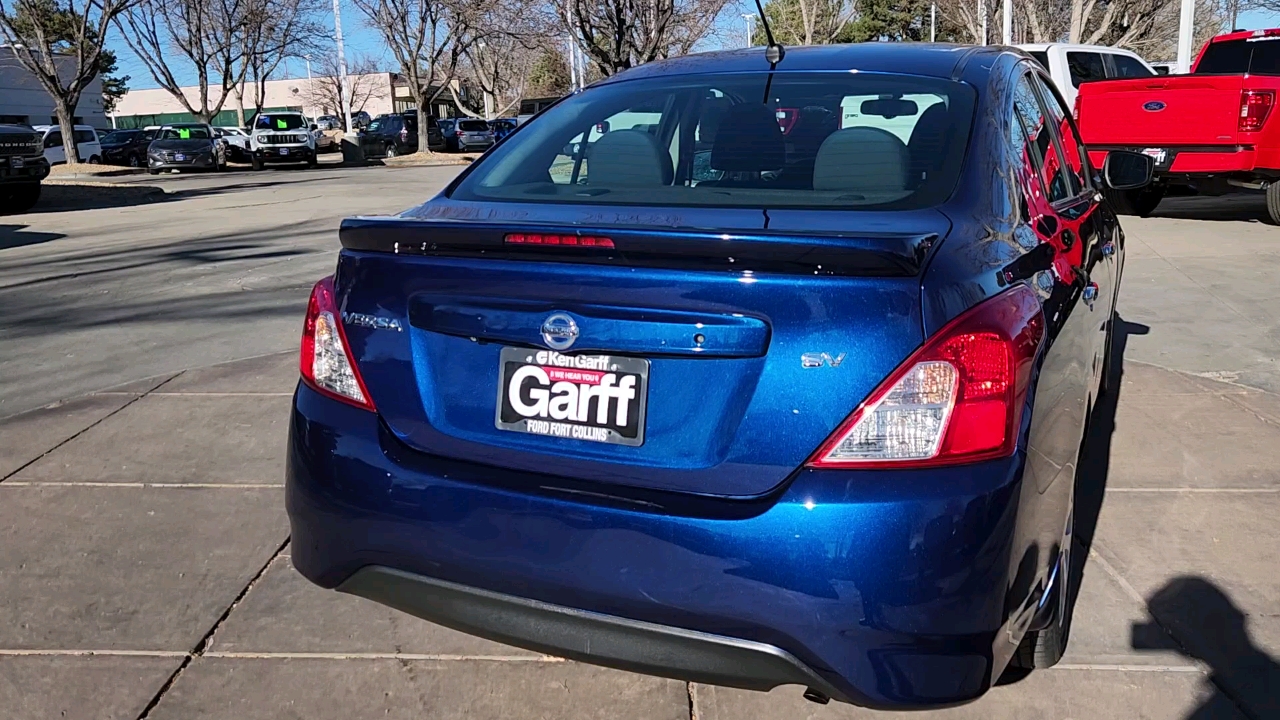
<point>428,39</point>
<point>208,35</point>
<point>275,30</point>
<point>620,34</point>
<point>808,22</point>
<point>60,43</point>
<point>362,78</point>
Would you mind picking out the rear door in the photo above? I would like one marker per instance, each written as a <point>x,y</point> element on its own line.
<point>53,150</point>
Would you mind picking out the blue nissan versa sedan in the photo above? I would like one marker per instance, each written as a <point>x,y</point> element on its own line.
<point>730,372</point>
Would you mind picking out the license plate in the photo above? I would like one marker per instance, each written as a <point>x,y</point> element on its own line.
<point>16,163</point>
<point>180,157</point>
<point>598,398</point>
<point>284,151</point>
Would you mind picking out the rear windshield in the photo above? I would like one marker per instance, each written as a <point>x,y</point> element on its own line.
<point>473,125</point>
<point>278,122</point>
<point>825,140</point>
<point>1255,56</point>
<point>120,136</point>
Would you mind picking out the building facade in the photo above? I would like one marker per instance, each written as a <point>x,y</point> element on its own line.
<point>24,101</point>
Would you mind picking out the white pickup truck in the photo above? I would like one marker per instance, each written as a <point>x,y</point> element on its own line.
<point>1071,65</point>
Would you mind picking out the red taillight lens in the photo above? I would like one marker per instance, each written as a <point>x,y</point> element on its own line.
<point>326,363</point>
<point>404,134</point>
<point>562,240</point>
<point>459,133</point>
<point>958,399</point>
<point>1255,106</point>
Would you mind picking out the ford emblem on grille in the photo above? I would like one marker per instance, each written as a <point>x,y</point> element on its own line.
<point>1153,106</point>
<point>559,331</point>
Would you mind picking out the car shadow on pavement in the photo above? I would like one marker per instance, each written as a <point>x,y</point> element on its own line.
<point>1195,617</point>
<point>1237,207</point>
<point>14,236</point>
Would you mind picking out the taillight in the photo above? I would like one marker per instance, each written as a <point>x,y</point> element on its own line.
<point>958,399</point>
<point>459,133</point>
<point>566,240</point>
<point>326,363</point>
<point>1255,106</point>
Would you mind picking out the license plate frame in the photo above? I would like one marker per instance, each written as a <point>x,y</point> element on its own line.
<point>179,157</point>
<point>17,163</point>
<point>557,410</point>
<point>284,151</point>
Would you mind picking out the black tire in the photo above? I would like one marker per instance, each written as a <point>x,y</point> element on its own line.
<point>153,172</point>
<point>390,151</point>
<point>1042,649</point>
<point>312,162</point>
<point>94,160</point>
<point>18,198</point>
<point>257,163</point>
<point>1141,202</point>
<point>135,161</point>
<point>1273,203</point>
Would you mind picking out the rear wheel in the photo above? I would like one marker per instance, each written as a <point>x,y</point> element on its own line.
<point>1141,202</point>
<point>257,163</point>
<point>94,160</point>
<point>1273,202</point>
<point>390,151</point>
<point>1042,649</point>
<point>135,161</point>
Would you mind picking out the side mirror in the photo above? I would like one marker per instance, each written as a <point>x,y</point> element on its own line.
<point>314,127</point>
<point>1124,170</point>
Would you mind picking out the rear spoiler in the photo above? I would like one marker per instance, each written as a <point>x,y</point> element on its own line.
<point>862,254</point>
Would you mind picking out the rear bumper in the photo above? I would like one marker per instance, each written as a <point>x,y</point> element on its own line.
<point>1203,160</point>
<point>884,589</point>
<point>587,636</point>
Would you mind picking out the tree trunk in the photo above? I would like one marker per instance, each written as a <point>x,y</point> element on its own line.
<point>240,104</point>
<point>424,118</point>
<point>66,123</point>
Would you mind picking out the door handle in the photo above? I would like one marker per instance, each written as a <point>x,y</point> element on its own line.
<point>1109,248</point>
<point>1090,294</point>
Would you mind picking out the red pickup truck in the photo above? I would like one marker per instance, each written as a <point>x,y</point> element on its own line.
<point>1211,130</point>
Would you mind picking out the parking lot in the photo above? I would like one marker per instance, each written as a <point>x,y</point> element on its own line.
<point>147,361</point>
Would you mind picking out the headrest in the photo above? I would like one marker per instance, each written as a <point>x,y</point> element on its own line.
<point>749,140</point>
<point>628,158</point>
<point>861,159</point>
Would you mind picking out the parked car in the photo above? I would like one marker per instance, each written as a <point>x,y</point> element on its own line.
<point>1071,66</point>
<point>810,414</point>
<point>360,120</point>
<point>1210,131</point>
<point>463,134</point>
<point>22,167</point>
<point>186,146</point>
<point>237,142</point>
<point>1165,67</point>
<point>397,134</point>
<point>502,127</point>
<point>89,149</point>
<point>126,147</point>
<point>532,106</point>
<point>282,137</point>
<point>329,122</point>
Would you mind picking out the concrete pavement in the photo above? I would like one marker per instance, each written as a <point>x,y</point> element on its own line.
<point>144,558</point>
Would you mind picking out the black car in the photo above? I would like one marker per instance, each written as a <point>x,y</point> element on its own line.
<point>502,127</point>
<point>397,134</point>
<point>186,147</point>
<point>463,134</point>
<point>127,147</point>
<point>22,167</point>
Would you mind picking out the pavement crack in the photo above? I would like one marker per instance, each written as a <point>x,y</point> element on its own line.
<point>200,647</point>
<point>87,428</point>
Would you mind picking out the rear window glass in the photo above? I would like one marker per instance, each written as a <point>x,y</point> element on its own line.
<point>824,140</point>
<point>1260,56</point>
<point>1041,57</point>
<point>279,122</point>
<point>474,125</point>
<point>1085,67</point>
<point>1129,67</point>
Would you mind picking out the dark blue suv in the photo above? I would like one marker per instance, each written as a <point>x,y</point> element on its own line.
<point>731,373</point>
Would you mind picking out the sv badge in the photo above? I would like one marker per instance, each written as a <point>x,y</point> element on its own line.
<point>817,360</point>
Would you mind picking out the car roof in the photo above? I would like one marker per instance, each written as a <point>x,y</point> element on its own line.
<point>929,59</point>
<point>44,128</point>
<point>1040,47</point>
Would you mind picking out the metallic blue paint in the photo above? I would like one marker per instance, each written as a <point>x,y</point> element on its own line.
<point>902,588</point>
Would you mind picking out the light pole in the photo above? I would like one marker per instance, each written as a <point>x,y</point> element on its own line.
<point>750,20</point>
<point>311,90</point>
<point>982,10</point>
<point>1007,37</point>
<point>933,22</point>
<point>342,67</point>
<point>1186,29</point>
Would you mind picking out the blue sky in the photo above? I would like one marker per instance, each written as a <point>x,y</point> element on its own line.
<point>359,39</point>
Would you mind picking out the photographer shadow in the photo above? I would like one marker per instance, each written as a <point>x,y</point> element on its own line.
<point>1195,617</point>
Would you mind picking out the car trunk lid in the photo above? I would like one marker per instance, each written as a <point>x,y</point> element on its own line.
<point>1181,110</point>
<point>745,347</point>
